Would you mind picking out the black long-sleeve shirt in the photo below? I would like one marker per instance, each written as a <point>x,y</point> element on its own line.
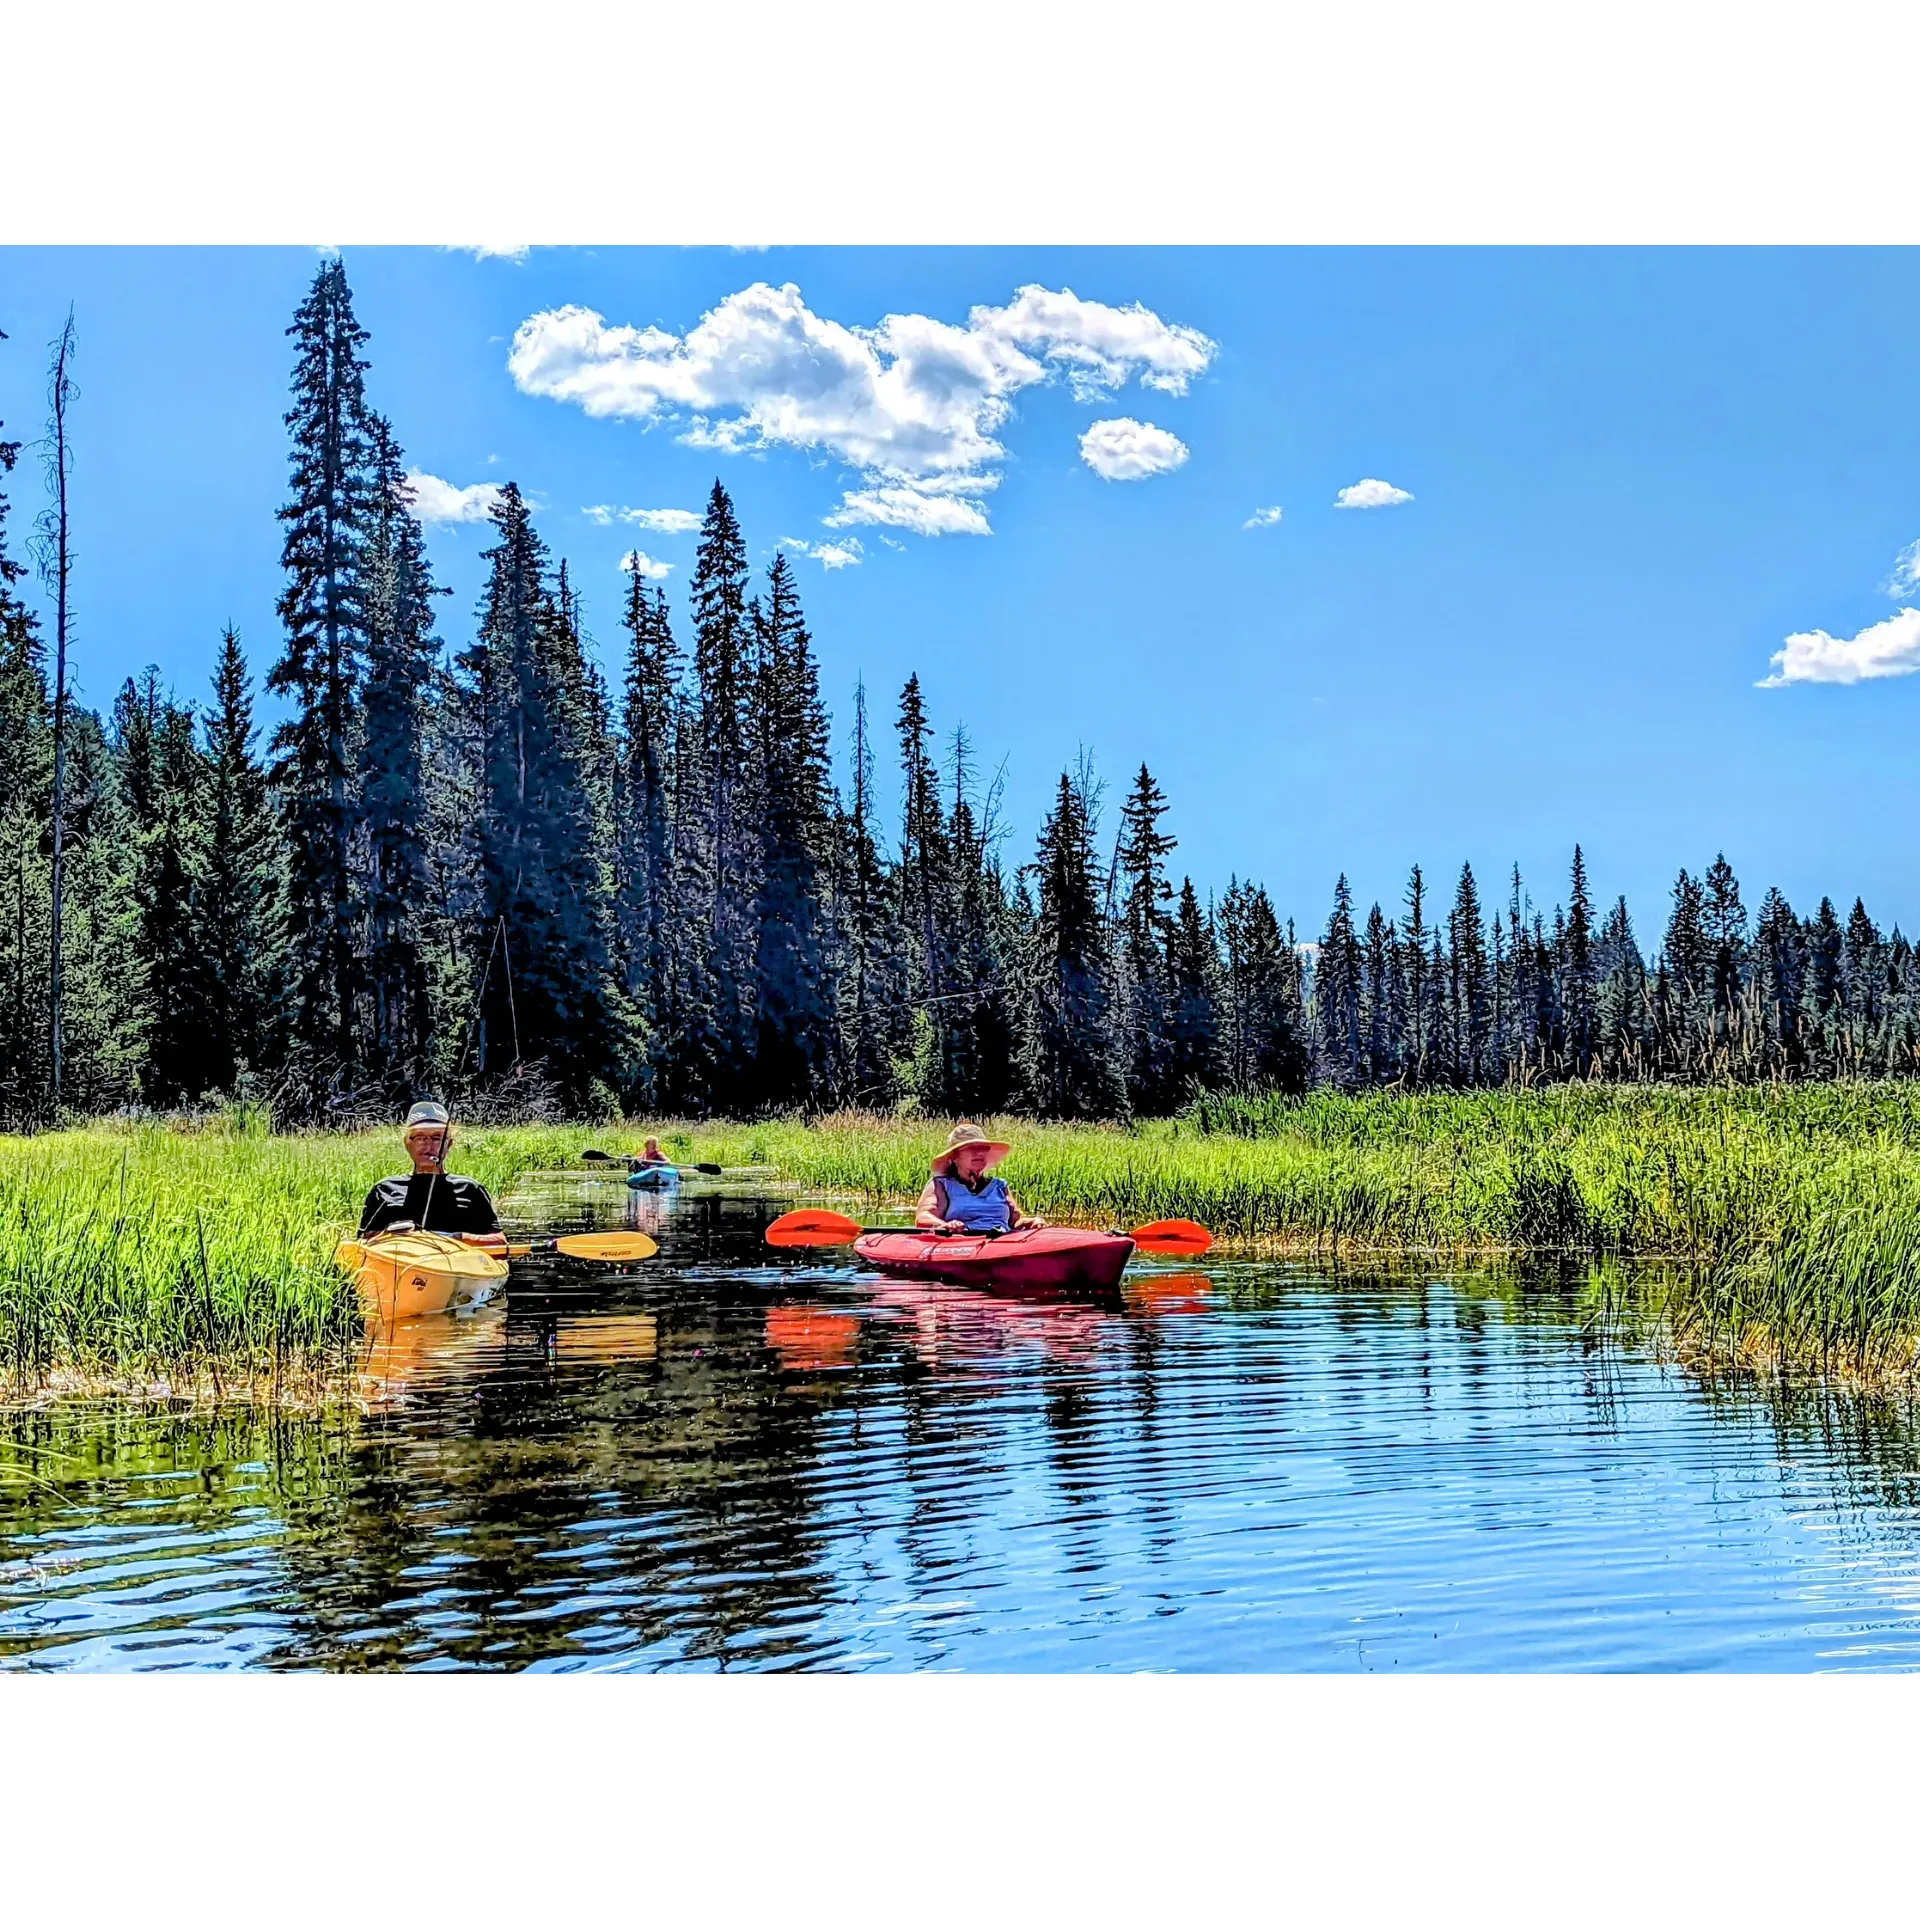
<point>434,1202</point>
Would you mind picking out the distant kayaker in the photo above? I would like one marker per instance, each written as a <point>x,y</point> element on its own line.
<point>964,1196</point>
<point>651,1156</point>
<point>430,1198</point>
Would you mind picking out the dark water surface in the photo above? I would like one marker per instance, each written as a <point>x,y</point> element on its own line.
<point>718,1461</point>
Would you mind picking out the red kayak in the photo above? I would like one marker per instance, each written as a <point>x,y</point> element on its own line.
<point>1027,1260</point>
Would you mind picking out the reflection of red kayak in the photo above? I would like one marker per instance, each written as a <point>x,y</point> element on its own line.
<point>1027,1260</point>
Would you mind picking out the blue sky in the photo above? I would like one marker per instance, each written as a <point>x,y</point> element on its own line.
<point>1633,475</point>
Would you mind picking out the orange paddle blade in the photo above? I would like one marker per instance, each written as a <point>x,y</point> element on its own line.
<point>1171,1236</point>
<point>813,1227</point>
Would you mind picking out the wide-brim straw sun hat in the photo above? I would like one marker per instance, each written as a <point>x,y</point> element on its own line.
<point>965,1135</point>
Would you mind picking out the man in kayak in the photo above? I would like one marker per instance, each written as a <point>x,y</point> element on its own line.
<point>430,1199</point>
<point>963,1196</point>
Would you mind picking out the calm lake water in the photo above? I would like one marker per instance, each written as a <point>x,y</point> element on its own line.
<point>730,1459</point>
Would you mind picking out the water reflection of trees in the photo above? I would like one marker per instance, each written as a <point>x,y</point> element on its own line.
<point>713,1466</point>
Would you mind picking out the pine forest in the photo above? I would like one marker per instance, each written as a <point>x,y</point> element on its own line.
<point>462,863</point>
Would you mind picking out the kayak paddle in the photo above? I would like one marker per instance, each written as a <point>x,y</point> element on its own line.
<point>619,1248</point>
<point>634,1161</point>
<point>820,1227</point>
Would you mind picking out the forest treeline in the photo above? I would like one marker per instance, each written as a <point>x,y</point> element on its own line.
<point>479,867</point>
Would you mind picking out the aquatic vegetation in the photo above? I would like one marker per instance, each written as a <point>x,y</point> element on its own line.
<point>130,1253</point>
<point>1775,1226</point>
<point>1788,1216</point>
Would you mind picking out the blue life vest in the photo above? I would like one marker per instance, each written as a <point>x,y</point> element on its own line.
<point>990,1210</point>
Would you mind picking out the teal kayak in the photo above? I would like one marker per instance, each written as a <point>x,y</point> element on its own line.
<point>654,1179</point>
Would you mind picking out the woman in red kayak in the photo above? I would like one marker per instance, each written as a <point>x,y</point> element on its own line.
<point>964,1196</point>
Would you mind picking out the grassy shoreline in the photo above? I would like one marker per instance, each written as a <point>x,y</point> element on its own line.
<point>1773,1227</point>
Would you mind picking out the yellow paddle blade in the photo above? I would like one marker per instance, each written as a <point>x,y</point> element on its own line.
<point>619,1249</point>
<point>813,1227</point>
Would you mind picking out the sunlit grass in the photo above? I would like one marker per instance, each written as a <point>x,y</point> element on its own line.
<point>155,1249</point>
<point>1785,1221</point>
<point>1790,1215</point>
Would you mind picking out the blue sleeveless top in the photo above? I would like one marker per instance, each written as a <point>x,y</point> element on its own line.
<point>986,1211</point>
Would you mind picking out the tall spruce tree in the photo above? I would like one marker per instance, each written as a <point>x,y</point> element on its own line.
<point>239,909</point>
<point>1620,1003</point>
<point>1193,983</point>
<point>1577,989</point>
<point>793,1041</point>
<point>165,777</point>
<point>928,912</point>
<point>644,844</point>
<point>397,598</point>
<point>1469,985</point>
<point>328,518</point>
<point>1266,1029</point>
<point>874,1020</point>
<point>1417,993</point>
<point>553,998</point>
<point>1336,994</point>
<point>723,667</point>
<point>1072,1068</point>
<point>1145,949</point>
<point>1381,1000</point>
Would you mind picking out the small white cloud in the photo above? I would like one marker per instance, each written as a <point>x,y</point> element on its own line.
<point>1127,449</point>
<point>1882,652</point>
<point>438,502</point>
<point>1904,582</point>
<point>833,555</point>
<point>518,255</point>
<point>651,519</point>
<point>637,562</point>
<point>929,507</point>
<point>1264,517</point>
<point>1371,493</point>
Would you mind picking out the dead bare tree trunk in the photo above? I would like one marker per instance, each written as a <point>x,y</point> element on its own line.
<point>59,561</point>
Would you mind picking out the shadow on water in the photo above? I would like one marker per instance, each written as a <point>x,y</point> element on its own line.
<point>735,1458</point>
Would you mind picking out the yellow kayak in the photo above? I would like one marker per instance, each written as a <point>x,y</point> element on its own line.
<point>400,1275</point>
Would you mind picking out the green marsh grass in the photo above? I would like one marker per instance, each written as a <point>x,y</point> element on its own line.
<point>1784,1221</point>
<point>200,1255</point>
<point>1774,1227</point>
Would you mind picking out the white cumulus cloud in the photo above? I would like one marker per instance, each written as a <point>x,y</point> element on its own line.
<point>930,507</point>
<point>1371,493</point>
<point>1126,449</point>
<point>517,255</point>
<point>1264,517</point>
<point>1877,653</point>
<point>637,562</point>
<point>652,519</point>
<point>440,503</point>
<point>912,401</point>
<point>832,554</point>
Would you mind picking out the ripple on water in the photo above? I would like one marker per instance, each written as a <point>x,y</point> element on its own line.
<point>714,1462</point>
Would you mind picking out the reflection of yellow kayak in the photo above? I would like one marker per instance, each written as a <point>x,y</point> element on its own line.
<point>400,1275</point>
<point>604,1339</point>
